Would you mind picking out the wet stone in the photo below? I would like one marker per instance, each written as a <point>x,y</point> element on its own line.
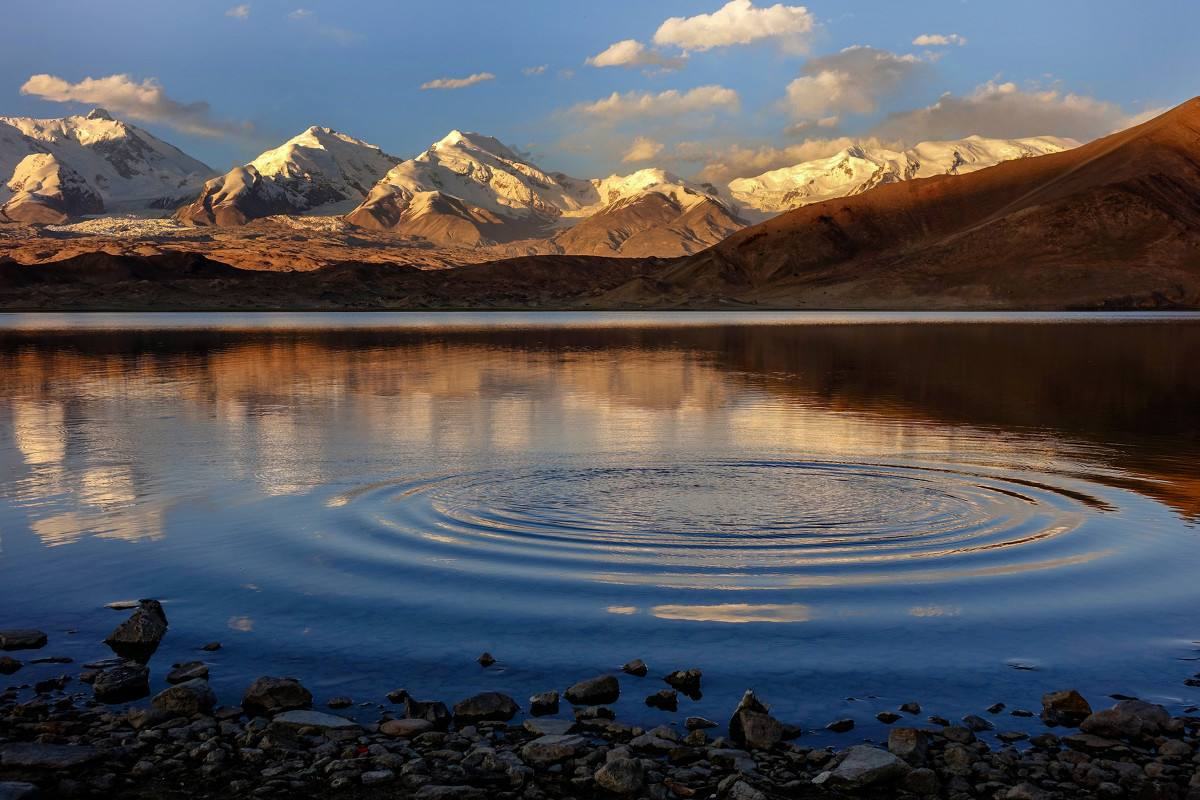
<point>268,695</point>
<point>9,665</point>
<point>22,639</point>
<point>544,703</point>
<point>121,684</point>
<point>840,726</point>
<point>637,667</point>
<point>665,700</point>
<point>686,681</point>
<point>594,691</point>
<point>1067,708</point>
<point>484,707</point>
<point>887,717</point>
<point>187,671</point>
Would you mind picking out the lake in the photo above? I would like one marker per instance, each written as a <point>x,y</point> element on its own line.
<point>843,511</point>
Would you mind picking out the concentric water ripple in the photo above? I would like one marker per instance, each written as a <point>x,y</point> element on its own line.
<point>729,525</point>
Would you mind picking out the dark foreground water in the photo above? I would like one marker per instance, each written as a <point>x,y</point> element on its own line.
<point>845,512</point>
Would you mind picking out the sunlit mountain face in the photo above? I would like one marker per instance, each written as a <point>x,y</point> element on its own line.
<point>837,483</point>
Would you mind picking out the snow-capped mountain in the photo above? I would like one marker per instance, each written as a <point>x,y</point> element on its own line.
<point>471,190</point>
<point>321,171</point>
<point>89,164</point>
<point>857,169</point>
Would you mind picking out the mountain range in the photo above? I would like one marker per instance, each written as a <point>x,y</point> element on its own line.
<point>1113,224</point>
<point>57,169</point>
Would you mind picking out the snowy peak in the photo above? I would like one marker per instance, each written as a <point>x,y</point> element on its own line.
<point>45,191</point>
<point>858,169</point>
<point>319,171</point>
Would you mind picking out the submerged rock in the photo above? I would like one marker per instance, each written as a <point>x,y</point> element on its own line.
<point>544,703</point>
<point>268,695</point>
<point>840,726</point>
<point>488,706</point>
<point>22,640</point>
<point>486,659</point>
<point>139,636</point>
<point>1067,708</point>
<point>665,700</point>
<point>9,665</point>
<point>636,667</point>
<point>187,671</point>
<point>594,691</point>
<point>686,681</point>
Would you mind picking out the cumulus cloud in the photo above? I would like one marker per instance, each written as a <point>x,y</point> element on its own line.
<point>540,69</point>
<point>459,83</point>
<point>642,149</point>
<point>632,53</point>
<point>672,102</point>
<point>939,40</point>
<point>121,94</point>
<point>239,12</point>
<point>1004,110</point>
<point>300,13</point>
<point>852,81</point>
<point>739,22</point>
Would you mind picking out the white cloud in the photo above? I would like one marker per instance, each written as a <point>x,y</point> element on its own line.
<point>309,18</point>
<point>540,69</point>
<point>239,12</point>
<point>300,13</point>
<point>939,40</point>
<point>852,81</point>
<point>642,149</point>
<point>1004,110</point>
<point>121,94</point>
<point>632,53</point>
<point>739,22</point>
<point>664,104</point>
<point>458,83</point>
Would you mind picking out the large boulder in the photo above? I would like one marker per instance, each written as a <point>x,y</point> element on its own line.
<point>752,726</point>
<point>1128,719</point>
<point>122,683</point>
<point>22,640</point>
<point>267,696</point>
<point>186,699</point>
<point>910,744</point>
<point>863,766</point>
<point>1067,708</point>
<point>596,691</point>
<point>139,636</point>
<point>622,776</point>
<point>432,711</point>
<point>486,707</point>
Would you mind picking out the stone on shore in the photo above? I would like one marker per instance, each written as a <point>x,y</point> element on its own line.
<point>300,720</point>
<point>434,712</point>
<point>752,726</point>
<point>32,755</point>
<point>551,749</point>
<point>686,681</point>
<point>187,671</point>
<point>268,695</point>
<point>122,683</point>
<point>698,723</point>
<point>637,667</point>
<point>910,744</point>
<point>485,707</point>
<point>1066,708</point>
<point>405,728</point>
<point>139,636</point>
<point>22,640</point>
<point>549,727</point>
<point>186,699</point>
<point>544,703</point>
<point>1128,719</point>
<point>594,691</point>
<point>622,776</point>
<point>863,766</point>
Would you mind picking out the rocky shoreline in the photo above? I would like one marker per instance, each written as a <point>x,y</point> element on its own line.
<point>56,741</point>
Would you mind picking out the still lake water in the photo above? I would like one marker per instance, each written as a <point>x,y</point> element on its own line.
<point>842,511</point>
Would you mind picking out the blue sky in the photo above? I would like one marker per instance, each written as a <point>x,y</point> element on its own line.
<point>1074,67</point>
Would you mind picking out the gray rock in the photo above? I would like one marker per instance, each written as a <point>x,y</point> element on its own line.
<point>752,726</point>
<point>698,723</point>
<point>22,640</point>
<point>192,697</point>
<point>923,782</point>
<point>188,671</point>
<point>544,703</point>
<point>863,766</point>
<point>121,684</point>
<point>551,749</point>
<point>665,700</point>
<point>977,724</point>
<point>740,790</point>
<point>299,719</point>
<point>492,706</point>
<point>267,696</point>
<point>686,681</point>
<point>432,711</point>
<point>549,727</point>
<point>910,744</point>
<point>1067,708</point>
<point>911,708</point>
<point>405,728</point>
<point>1129,719</point>
<point>30,755</point>
<point>378,776</point>
<point>636,667</point>
<point>15,790</point>
<point>594,691</point>
<point>138,637</point>
<point>338,702</point>
<point>622,776</point>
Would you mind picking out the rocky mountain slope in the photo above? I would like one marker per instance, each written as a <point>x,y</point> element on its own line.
<point>321,171</point>
<point>53,169</point>
<point>860,168</point>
